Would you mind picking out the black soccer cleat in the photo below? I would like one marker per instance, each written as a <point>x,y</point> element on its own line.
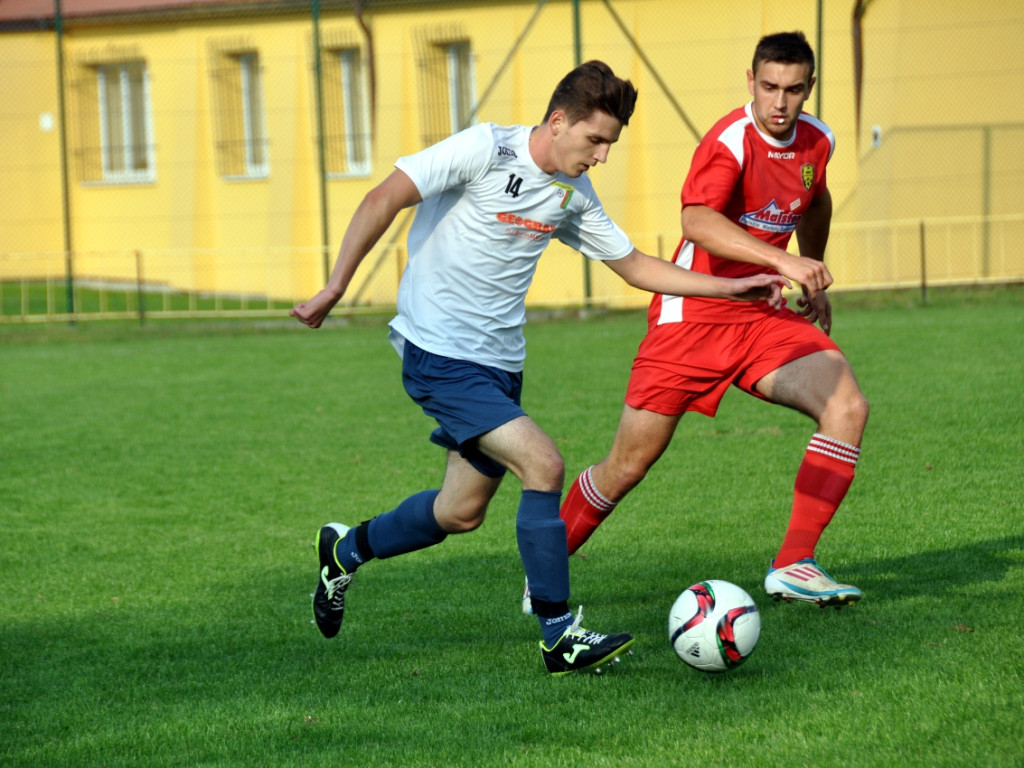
<point>329,597</point>
<point>580,649</point>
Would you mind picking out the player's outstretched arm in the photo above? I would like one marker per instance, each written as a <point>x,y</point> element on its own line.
<point>652,274</point>
<point>370,221</point>
<point>709,229</point>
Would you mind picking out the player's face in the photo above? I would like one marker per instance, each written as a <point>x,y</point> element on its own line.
<point>779,92</point>
<point>578,147</point>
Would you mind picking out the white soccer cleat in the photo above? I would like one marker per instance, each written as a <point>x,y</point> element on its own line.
<point>807,581</point>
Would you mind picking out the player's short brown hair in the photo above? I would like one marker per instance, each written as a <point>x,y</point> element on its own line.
<point>783,48</point>
<point>590,87</point>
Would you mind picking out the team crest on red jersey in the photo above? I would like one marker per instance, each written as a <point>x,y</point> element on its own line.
<point>807,174</point>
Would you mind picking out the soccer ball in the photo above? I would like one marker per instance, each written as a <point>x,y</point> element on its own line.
<point>714,626</point>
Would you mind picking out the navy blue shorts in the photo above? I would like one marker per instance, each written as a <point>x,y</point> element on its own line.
<point>466,399</point>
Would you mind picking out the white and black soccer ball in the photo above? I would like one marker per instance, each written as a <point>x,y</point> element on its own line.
<point>714,626</point>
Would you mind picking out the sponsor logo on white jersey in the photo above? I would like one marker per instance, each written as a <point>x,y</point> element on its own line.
<point>519,221</point>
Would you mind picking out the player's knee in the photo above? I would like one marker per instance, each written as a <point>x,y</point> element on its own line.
<point>855,409</point>
<point>465,525</point>
<point>545,473</point>
<point>623,477</point>
<point>465,516</point>
<point>847,415</point>
<point>862,408</point>
<point>470,520</point>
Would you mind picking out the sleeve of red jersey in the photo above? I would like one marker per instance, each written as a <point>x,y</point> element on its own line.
<point>714,173</point>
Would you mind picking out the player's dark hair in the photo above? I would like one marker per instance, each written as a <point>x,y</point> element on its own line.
<point>593,86</point>
<point>784,48</point>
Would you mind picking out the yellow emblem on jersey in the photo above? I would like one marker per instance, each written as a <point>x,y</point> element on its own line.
<point>807,174</point>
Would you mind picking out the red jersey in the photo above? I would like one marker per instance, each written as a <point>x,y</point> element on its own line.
<point>757,182</point>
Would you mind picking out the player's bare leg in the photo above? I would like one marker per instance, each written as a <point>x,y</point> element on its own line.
<point>823,386</point>
<point>640,440</point>
<point>465,493</point>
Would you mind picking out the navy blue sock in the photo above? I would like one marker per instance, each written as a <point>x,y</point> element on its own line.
<point>540,533</point>
<point>408,527</point>
<point>348,552</point>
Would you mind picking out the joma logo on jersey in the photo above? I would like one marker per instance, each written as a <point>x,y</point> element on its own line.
<point>506,152</point>
<point>519,221</point>
<point>771,218</point>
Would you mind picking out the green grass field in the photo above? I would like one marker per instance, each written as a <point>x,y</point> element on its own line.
<point>160,487</point>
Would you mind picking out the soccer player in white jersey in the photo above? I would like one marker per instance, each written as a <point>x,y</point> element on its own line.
<point>489,200</point>
<point>757,177</point>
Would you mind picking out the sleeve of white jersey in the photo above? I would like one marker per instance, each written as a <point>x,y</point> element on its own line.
<point>451,162</point>
<point>590,230</point>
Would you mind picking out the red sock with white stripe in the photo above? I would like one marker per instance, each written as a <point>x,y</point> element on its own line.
<point>583,510</point>
<point>822,481</point>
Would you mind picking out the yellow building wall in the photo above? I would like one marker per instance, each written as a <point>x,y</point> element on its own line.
<point>950,127</point>
<point>30,177</point>
<point>951,134</point>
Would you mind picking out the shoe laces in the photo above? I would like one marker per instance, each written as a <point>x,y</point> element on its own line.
<point>336,590</point>
<point>575,630</point>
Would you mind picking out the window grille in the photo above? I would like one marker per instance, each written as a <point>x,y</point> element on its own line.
<point>445,62</point>
<point>347,139</point>
<point>114,118</point>
<point>240,138</point>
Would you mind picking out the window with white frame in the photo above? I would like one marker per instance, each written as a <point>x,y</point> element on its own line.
<point>460,84</point>
<point>240,137</point>
<point>447,89</point>
<point>347,146</point>
<point>253,134</point>
<point>116,137</point>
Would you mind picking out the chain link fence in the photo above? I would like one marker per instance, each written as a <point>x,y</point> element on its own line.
<point>203,159</point>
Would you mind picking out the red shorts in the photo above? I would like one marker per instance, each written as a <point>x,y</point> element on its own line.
<point>688,366</point>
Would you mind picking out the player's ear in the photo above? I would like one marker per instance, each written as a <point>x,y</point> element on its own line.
<point>750,81</point>
<point>557,122</point>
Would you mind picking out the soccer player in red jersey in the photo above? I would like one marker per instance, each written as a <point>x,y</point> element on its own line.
<point>757,177</point>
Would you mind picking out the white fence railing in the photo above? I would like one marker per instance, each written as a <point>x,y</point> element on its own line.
<point>42,287</point>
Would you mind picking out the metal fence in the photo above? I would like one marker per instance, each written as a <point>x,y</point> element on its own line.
<point>203,159</point>
<point>113,285</point>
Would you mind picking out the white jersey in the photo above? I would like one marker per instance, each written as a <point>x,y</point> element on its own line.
<point>488,212</point>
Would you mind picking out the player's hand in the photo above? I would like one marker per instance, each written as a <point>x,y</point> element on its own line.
<point>314,312</point>
<point>761,287</point>
<point>812,274</point>
<point>817,308</point>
